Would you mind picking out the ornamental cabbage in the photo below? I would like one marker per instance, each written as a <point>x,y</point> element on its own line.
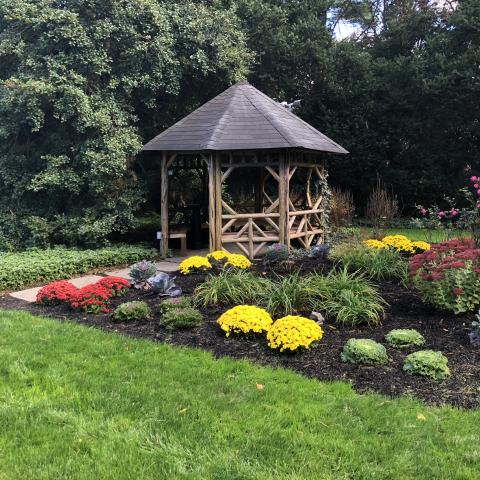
<point>427,363</point>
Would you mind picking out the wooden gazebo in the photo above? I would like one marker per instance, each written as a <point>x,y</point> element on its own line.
<point>244,132</point>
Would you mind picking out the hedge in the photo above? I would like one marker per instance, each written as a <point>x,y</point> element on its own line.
<point>32,267</point>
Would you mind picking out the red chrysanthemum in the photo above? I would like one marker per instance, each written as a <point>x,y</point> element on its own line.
<point>56,293</point>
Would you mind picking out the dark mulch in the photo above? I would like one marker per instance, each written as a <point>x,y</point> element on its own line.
<point>442,331</point>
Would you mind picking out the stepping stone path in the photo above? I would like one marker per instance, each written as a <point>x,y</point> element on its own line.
<point>29,295</point>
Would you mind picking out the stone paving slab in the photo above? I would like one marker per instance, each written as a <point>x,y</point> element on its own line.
<point>30,294</point>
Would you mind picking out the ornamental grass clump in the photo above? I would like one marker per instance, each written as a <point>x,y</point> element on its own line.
<point>448,275</point>
<point>132,312</point>
<point>347,298</point>
<point>404,338</point>
<point>181,318</point>
<point>285,296</point>
<point>245,319</point>
<point>364,351</point>
<point>376,263</point>
<point>293,333</point>
<point>427,363</point>
<point>57,293</point>
<point>231,287</point>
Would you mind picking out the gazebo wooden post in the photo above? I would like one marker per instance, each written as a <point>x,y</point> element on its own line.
<point>218,199</point>
<point>283,198</point>
<point>212,222</point>
<point>164,206</point>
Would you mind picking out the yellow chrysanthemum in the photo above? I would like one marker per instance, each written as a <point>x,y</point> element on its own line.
<point>238,261</point>
<point>218,255</point>
<point>375,244</point>
<point>193,264</point>
<point>399,242</point>
<point>421,246</point>
<point>293,332</point>
<point>245,319</point>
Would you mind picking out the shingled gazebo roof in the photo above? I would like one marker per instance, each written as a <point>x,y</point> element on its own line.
<point>242,118</point>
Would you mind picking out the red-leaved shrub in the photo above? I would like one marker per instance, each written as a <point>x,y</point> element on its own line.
<point>56,293</point>
<point>117,285</point>
<point>92,299</point>
<point>448,275</point>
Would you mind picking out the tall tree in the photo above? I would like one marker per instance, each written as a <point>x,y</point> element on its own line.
<point>82,84</point>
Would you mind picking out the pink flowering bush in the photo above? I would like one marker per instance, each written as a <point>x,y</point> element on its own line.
<point>448,275</point>
<point>467,217</point>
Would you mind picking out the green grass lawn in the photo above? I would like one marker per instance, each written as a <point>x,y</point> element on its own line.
<point>78,403</point>
<point>432,236</point>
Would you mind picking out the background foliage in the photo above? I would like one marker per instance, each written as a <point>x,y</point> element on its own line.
<point>83,83</point>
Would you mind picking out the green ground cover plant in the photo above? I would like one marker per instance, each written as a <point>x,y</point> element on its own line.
<point>182,317</point>
<point>132,312</point>
<point>80,403</point>
<point>18,270</point>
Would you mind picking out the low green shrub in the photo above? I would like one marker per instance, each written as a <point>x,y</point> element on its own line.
<point>132,311</point>
<point>427,363</point>
<point>177,318</point>
<point>173,303</point>
<point>378,264</point>
<point>364,351</point>
<point>18,270</point>
<point>231,287</point>
<point>348,298</point>
<point>404,338</point>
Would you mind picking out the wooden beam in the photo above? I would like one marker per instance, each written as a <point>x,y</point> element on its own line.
<point>239,216</point>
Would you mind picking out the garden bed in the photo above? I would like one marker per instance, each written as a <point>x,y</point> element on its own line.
<point>442,331</point>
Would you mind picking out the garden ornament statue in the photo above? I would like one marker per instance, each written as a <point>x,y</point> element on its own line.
<point>164,284</point>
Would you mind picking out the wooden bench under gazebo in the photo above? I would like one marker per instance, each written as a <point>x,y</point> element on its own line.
<point>268,154</point>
